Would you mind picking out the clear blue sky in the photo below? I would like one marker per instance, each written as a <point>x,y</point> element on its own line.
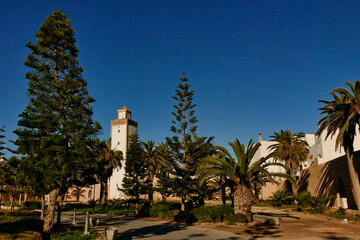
<point>255,66</point>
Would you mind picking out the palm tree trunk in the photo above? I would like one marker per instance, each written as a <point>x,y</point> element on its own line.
<point>243,201</point>
<point>42,207</point>
<point>105,206</point>
<point>50,215</point>
<point>293,187</point>
<point>223,190</point>
<point>353,175</point>
<point>101,200</point>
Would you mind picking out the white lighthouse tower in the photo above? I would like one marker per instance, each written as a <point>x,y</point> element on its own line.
<point>121,131</point>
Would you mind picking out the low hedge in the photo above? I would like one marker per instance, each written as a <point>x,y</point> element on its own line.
<point>212,213</point>
<point>29,205</point>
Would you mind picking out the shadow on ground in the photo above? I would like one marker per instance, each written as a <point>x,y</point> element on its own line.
<point>263,230</point>
<point>148,232</point>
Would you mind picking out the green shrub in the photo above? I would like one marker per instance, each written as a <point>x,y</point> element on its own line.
<point>319,203</point>
<point>236,218</point>
<point>73,233</point>
<point>159,208</point>
<point>282,198</point>
<point>72,206</point>
<point>304,199</point>
<point>31,205</point>
<point>212,213</point>
<point>187,217</point>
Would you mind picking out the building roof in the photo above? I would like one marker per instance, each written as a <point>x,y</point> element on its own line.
<point>124,107</point>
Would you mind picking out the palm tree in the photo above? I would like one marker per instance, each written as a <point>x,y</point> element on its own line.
<point>290,148</point>
<point>78,192</point>
<point>164,167</point>
<point>342,116</point>
<point>239,170</point>
<point>152,159</point>
<point>108,161</point>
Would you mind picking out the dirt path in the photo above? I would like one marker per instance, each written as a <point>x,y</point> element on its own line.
<point>295,225</point>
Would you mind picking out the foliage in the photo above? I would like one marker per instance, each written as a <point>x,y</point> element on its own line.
<point>320,202</point>
<point>2,148</point>
<point>77,192</point>
<point>134,182</point>
<point>19,225</point>
<point>282,197</point>
<point>181,182</point>
<point>304,199</point>
<point>290,148</point>
<point>212,213</point>
<point>342,117</point>
<point>152,163</point>
<point>31,205</point>
<point>56,127</point>
<point>107,161</point>
<point>73,233</point>
<point>232,219</point>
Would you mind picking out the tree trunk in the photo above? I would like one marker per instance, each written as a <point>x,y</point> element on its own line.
<point>137,207</point>
<point>101,200</point>
<point>11,201</point>
<point>232,195</point>
<point>59,206</point>
<point>293,187</point>
<point>353,176</point>
<point>243,201</point>
<point>105,206</point>
<point>50,214</point>
<point>183,204</point>
<point>42,206</point>
<point>223,191</point>
<point>151,192</point>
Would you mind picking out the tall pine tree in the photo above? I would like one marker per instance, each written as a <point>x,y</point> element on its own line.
<point>135,180</point>
<point>2,148</point>
<point>56,127</point>
<point>181,180</point>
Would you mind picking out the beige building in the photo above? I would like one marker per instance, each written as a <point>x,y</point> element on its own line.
<point>325,172</point>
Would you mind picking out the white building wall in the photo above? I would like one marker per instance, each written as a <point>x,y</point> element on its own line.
<point>120,133</point>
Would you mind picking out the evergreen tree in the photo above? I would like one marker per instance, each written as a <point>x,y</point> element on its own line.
<point>56,126</point>
<point>135,180</point>
<point>2,148</point>
<point>181,179</point>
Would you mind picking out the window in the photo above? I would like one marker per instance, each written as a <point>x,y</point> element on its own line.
<point>118,130</point>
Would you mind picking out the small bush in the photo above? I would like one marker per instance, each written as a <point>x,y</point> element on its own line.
<point>212,213</point>
<point>31,205</point>
<point>159,208</point>
<point>304,199</point>
<point>319,203</point>
<point>282,198</point>
<point>236,218</point>
<point>73,233</point>
<point>187,217</point>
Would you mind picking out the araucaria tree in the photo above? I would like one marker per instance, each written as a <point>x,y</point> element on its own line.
<point>342,117</point>
<point>135,180</point>
<point>2,148</point>
<point>181,180</point>
<point>56,127</point>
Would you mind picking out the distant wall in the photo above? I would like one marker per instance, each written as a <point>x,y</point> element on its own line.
<point>331,179</point>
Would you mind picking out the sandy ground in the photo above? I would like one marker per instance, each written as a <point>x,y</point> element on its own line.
<point>294,225</point>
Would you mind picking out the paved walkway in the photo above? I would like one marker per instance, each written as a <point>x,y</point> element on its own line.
<point>134,228</point>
